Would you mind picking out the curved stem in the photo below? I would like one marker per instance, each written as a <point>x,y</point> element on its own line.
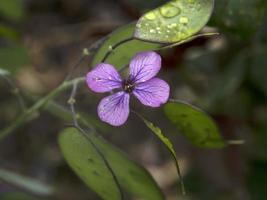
<point>72,102</point>
<point>112,48</point>
<point>37,106</point>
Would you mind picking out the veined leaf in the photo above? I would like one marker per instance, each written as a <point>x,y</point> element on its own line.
<point>175,21</point>
<point>196,125</point>
<point>81,154</point>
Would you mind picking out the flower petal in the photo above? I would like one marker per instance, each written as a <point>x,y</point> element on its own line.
<point>153,92</point>
<point>103,78</point>
<point>114,109</point>
<point>144,66</point>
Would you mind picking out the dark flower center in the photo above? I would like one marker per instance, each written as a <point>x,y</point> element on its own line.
<point>128,86</point>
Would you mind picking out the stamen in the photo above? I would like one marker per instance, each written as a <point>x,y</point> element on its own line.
<point>127,86</point>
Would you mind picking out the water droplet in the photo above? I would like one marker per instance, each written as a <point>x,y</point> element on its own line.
<point>169,10</point>
<point>183,20</point>
<point>150,16</point>
<point>138,25</point>
<point>152,31</point>
<point>158,28</point>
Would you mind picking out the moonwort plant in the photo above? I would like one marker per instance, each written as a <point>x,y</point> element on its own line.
<point>141,82</point>
<point>171,24</point>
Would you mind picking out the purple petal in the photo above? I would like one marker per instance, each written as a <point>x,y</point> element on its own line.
<point>103,78</point>
<point>144,66</point>
<point>153,92</point>
<point>114,109</point>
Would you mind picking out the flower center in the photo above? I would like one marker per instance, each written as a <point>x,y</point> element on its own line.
<point>127,86</point>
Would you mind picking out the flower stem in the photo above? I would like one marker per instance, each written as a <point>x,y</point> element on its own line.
<point>112,48</point>
<point>37,106</point>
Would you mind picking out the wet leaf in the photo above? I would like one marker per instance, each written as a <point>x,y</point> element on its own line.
<point>175,21</point>
<point>80,152</point>
<point>194,124</point>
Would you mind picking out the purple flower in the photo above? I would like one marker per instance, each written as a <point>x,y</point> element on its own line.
<point>150,91</point>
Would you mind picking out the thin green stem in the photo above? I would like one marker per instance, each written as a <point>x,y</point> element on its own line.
<point>15,90</point>
<point>112,48</point>
<point>37,106</point>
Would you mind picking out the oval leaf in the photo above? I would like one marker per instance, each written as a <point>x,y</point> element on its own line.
<point>123,54</point>
<point>196,125</point>
<point>174,21</point>
<point>90,167</point>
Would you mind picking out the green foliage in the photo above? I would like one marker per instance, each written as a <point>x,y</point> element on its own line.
<point>257,180</point>
<point>241,18</point>
<point>258,69</point>
<point>12,9</point>
<point>13,57</point>
<point>25,183</point>
<point>196,126</point>
<point>17,196</point>
<point>83,155</point>
<point>157,131</point>
<point>230,79</point>
<point>175,21</point>
<point>123,54</point>
<point>7,32</point>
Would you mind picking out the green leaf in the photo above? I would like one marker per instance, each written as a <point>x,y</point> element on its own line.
<point>196,125</point>
<point>157,131</point>
<point>13,57</point>
<point>32,185</point>
<point>123,54</point>
<point>80,152</point>
<point>175,21</point>
<point>12,9</point>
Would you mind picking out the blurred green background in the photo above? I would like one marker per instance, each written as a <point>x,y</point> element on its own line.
<point>225,75</point>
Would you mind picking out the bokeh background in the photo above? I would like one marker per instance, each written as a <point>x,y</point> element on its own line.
<point>225,75</point>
